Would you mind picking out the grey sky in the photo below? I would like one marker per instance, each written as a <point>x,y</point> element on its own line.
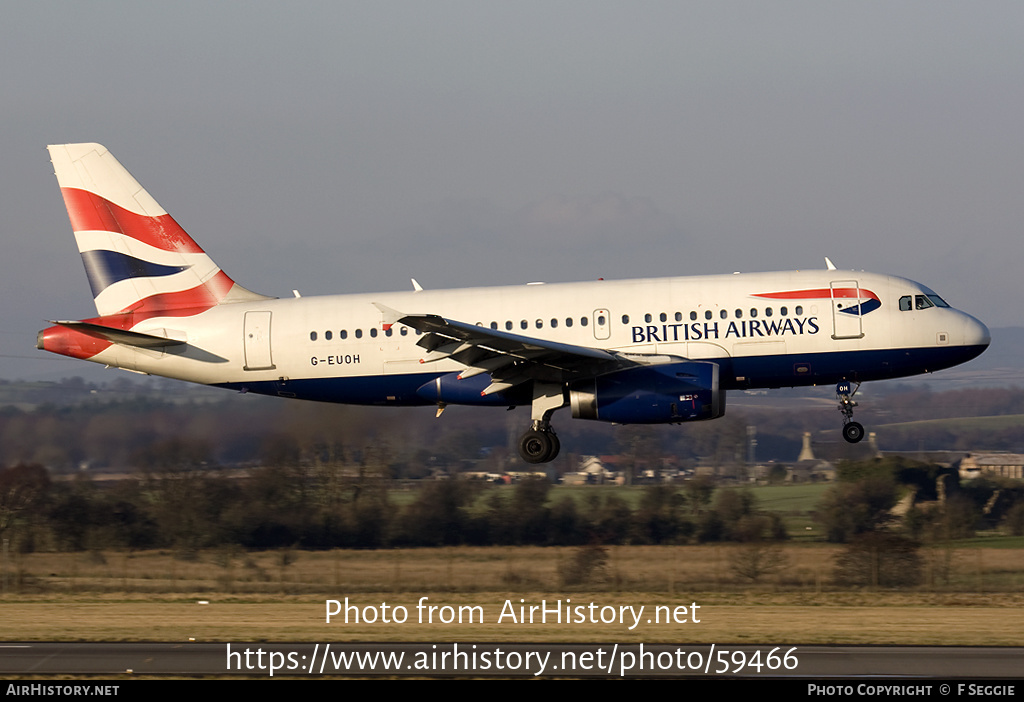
<point>349,146</point>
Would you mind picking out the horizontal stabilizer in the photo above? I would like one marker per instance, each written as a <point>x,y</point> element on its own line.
<point>121,336</point>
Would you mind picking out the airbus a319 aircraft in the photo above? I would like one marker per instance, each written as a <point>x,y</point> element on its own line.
<point>651,351</point>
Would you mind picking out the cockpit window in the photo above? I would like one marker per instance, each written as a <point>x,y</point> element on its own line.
<point>921,302</point>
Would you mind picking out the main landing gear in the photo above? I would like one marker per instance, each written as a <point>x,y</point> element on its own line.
<point>852,431</point>
<point>540,444</point>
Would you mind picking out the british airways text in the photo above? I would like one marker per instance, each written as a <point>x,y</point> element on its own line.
<point>696,331</point>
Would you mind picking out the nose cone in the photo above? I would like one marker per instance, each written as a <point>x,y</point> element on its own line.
<point>977,337</point>
<point>976,333</point>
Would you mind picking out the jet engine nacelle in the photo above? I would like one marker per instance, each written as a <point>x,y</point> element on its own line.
<point>661,394</point>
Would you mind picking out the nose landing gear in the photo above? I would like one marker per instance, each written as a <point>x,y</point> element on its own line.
<point>852,431</point>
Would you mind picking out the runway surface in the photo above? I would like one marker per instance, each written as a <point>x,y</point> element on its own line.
<point>505,660</point>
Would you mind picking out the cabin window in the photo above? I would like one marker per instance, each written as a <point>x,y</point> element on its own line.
<point>584,321</point>
<point>768,312</point>
<point>625,319</point>
<point>312,336</point>
<point>905,303</point>
<point>343,334</point>
<point>679,316</point>
<point>359,333</point>
<point>783,311</point>
<point>373,332</point>
<point>663,317</point>
<point>539,323</point>
<point>723,314</point>
<point>922,302</point>
<point>327,335</point>
<point>568,321</point>
<point>403,331</point>
<point>387,332</point>
<point>693,316</point>
<point>647,317</point>
<point>554,323</point>
<point>798,310</point>
<point>494,325</point>
<point>739,314</point>
<point>753,311</point>
<point>524,324</point>
<point>508,325</point>
<point>601,320</point>
<point>707,314</point>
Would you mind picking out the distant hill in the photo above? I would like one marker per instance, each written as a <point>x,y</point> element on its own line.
<point>1006,351</point>
<point>1002,365</point>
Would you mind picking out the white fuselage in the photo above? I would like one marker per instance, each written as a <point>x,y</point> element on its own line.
<point>760,328</point>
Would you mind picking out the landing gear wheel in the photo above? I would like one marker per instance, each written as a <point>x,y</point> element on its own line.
<point>853,432</point>
<point>537,446</point>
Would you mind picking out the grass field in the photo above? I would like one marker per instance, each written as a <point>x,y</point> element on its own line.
<point>993,423</point>
<point>765,618</point>
<point>662,569</point>
<point>791,499</point>
<point>281,596</point>
<point>972,594</point>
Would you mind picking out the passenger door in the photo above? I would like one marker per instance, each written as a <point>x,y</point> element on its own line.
<point>847,320</point>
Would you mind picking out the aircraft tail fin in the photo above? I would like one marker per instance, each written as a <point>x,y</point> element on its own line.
<point>135,254</point>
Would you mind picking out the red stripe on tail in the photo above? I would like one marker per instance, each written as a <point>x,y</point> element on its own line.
<point>90,212</point>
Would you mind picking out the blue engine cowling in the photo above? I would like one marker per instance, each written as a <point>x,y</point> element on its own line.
<point>661,394</point>
<point>451,389</point>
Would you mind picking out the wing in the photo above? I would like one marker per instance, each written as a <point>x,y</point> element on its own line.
<point>510,359</point>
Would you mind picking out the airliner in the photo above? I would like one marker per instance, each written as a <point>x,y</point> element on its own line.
<point>650,351</point>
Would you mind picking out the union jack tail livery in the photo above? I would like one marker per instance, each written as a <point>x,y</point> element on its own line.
<point>135,254</point>
<point>140,263</point>
<point>650,351</point>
